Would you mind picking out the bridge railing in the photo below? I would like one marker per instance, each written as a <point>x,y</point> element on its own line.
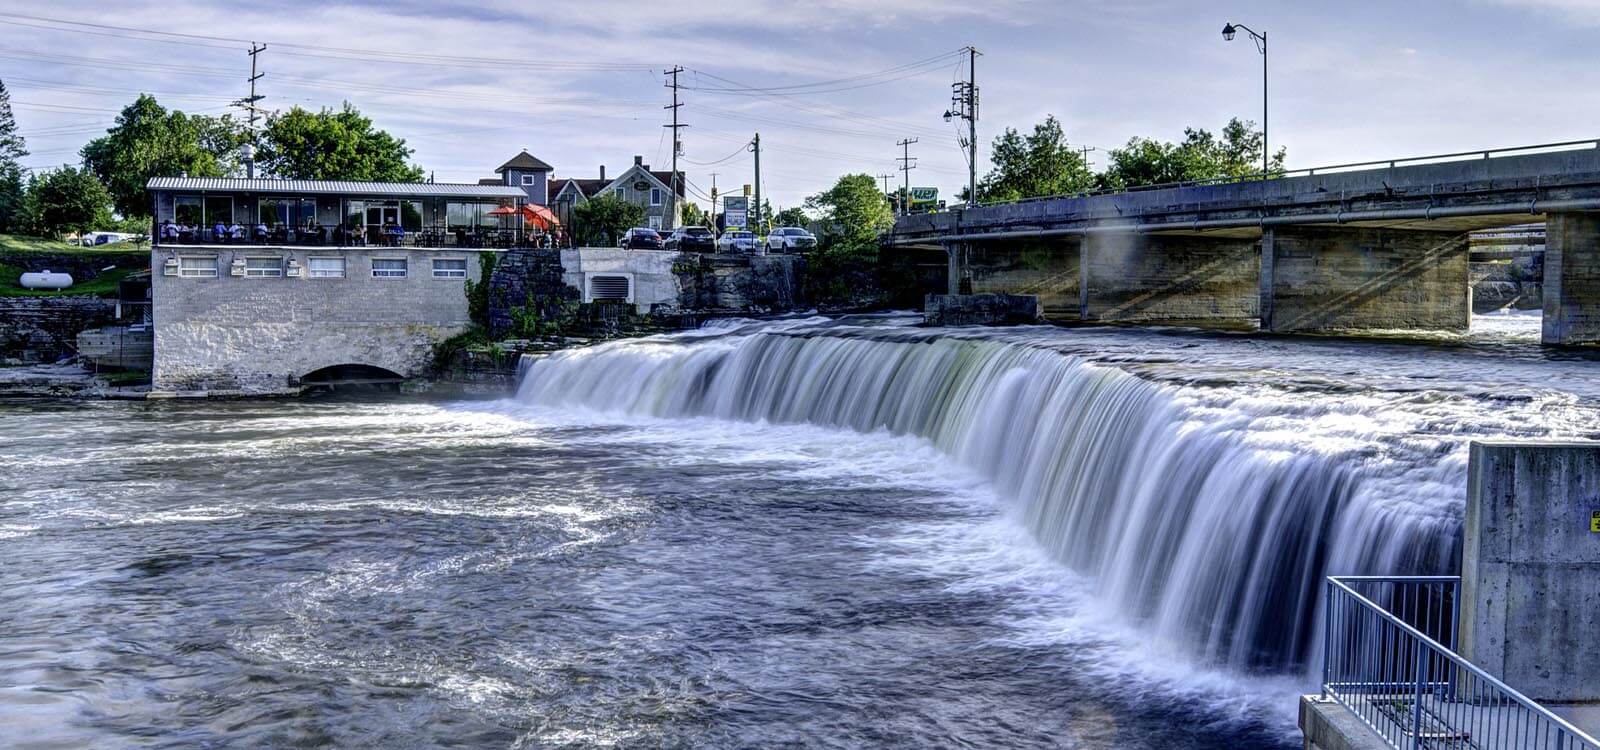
<point>1388,656</point>
<point>1312,171</point>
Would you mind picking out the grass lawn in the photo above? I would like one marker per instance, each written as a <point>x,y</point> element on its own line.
<point>126,256</point>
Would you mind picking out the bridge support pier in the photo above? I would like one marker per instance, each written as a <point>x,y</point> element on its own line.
<point>1043,268</point>
<point>1180,278</point>
<point>1572,279</point>
<point>1317,279</point>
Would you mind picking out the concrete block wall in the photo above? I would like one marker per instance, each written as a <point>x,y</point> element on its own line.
<point>1046,268</point>
<point>1530,610</point>
<point>1316,279</point>
<point>651,280</point>
<point>263,334</point>
<point>1572,279</point>
<point>1144,277</point>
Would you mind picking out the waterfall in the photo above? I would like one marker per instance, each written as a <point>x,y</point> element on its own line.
<point>1192,531</point>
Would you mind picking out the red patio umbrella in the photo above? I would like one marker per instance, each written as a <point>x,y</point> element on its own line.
<point>540,216</point>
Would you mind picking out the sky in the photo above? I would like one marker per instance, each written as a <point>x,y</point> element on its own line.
<point>831,85</point>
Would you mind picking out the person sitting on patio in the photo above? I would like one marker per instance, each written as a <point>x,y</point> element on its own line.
<point>219,231</point>
<point>236,232</point>
<point>262,232</point>
<point>169,231</point>
<point>395,233</point>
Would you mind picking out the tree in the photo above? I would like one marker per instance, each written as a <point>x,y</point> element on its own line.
<point>12,148</point>
<point>1201,156</point>
<point>1041,163</point>
<point>601,220</point>
<point>695,216</point>
<point>150,141</point>
<point>853,213</point>
<point>67,200</point>
<point>333,145</point>
<point>792,217</point>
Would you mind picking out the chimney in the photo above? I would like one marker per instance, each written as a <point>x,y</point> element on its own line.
<point>638,161</point>
<point>602,171</point>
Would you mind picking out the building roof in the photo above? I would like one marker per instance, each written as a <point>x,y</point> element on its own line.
<point>525,161</point>
<point>586,188</point>
<point>491,181</point>
<point>336,187</point>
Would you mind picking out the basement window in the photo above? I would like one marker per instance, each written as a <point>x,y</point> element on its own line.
<point>389,268</point>
<point>200,268</point>
<point>325,268</point>
<point>608,288</point>
<point>449,268</point>
<point>263,267</point>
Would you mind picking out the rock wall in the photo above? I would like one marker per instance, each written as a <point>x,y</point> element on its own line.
<point>528,277</point>
<point>44,329</point>
<point>754,284</point>
<point>1517,284</point>
<point>982,309</point>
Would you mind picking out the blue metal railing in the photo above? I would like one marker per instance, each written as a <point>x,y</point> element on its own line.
<point>1389,657</point>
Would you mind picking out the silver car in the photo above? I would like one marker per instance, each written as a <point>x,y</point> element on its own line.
<point>790,240</point>
<point>737,242</point>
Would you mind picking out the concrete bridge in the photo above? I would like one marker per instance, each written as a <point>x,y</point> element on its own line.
<point>1373,246</point>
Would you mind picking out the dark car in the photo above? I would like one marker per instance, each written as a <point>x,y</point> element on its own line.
<point>641,238</point>
<point>692,239</point>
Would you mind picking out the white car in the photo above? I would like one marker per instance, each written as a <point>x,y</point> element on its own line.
<point>790,240</point>
<point>737,242</point>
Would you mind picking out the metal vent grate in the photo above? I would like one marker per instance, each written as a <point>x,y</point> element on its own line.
<point>608,288</point>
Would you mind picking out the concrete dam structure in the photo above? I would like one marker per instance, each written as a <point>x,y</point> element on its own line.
<point>1364,247</point>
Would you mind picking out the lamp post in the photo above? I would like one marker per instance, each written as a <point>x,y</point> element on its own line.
<point>1260,39</point>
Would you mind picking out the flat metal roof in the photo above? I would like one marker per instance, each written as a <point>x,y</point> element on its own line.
<point>333,187</point>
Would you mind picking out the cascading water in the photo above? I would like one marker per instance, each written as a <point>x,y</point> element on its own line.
<point>1212,537</point>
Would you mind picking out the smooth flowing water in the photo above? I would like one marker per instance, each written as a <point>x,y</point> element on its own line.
<point>812,532</point>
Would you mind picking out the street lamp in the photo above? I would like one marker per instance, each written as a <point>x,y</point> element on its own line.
<point>1228,32</point>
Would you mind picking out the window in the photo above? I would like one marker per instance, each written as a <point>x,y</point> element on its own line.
<point>621,192</point>
<point>655,222</point>
<point>389,268</point>
<point>449,268</point>
<point>263,267</point>
<point>186,210</point>
<point>288,212</point>
<point>219,208</point>
<point>198,267</point>
<point>527,179</point>
<point>325,268</point>
<point>655,196</point>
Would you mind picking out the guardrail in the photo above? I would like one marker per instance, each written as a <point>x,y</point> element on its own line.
<point>1312,171</point>
<point>1388,656</point>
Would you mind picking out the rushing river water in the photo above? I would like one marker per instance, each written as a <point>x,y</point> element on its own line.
<point>806,533</point>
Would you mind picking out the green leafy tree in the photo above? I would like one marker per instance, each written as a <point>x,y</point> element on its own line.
<point>150,141</point>
<point>600,221</point>
<point>333,145</point>
<point>791,217</point>
<point>12,149</point>
<point>1201,156</point>
<point>853,214</point>
<point>67,200</point>
<point>1029,166</point>
<point>695,216</point>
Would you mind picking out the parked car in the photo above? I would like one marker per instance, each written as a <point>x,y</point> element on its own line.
<point>641,238</point>
<point>737,242</point>
<point>692,239</point>
<point>790,240</point>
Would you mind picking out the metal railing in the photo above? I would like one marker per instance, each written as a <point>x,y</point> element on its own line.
<point>426,237</point>
<point>1389,657</point>
<point>1312,171</point>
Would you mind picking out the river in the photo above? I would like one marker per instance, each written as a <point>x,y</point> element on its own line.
<point>814,532</point>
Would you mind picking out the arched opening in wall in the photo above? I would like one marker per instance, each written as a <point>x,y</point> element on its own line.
<point>352,377</point>
<point>604,288</point>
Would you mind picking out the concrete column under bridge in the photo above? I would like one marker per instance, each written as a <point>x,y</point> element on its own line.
<point>1572,279</point>
<point>1177,278</point>
<point>1045,268</point>
<point>1322,279</point>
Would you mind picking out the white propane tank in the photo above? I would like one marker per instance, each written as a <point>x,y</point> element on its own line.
<point>46,280</point>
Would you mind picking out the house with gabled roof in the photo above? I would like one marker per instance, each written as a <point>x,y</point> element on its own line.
<point>652,190</point>
<point>528,172</point>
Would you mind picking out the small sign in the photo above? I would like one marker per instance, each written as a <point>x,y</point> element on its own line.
<point>1594,521</point>
<point>735,212</point>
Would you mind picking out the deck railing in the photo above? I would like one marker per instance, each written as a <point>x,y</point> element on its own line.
<point>1389,657</point>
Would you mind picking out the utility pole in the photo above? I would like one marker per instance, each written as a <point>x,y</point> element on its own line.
<point>907,163</point>
<point>1085,150</point>
<point>677,145</point>
<point>755,211</point>
<point>964,106</point>
<point>249,105</point>
<point>885,179</point>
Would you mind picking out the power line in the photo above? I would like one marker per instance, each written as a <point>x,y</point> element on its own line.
<point>907,163</point>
